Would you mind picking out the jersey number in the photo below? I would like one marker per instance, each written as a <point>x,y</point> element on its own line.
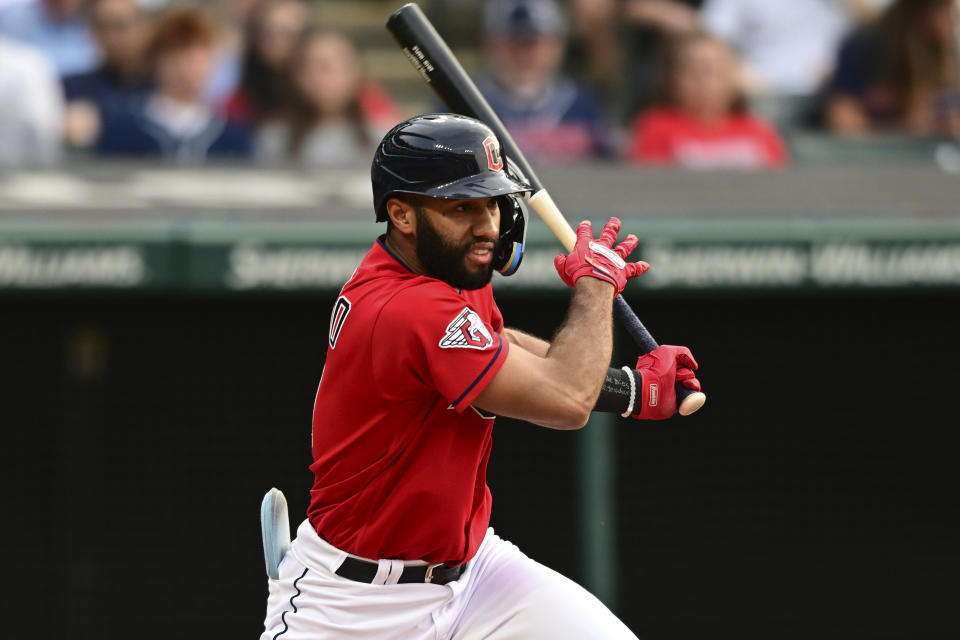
<point>340,311</point>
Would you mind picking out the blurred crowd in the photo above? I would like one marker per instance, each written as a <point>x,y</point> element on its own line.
<point>684,83</point>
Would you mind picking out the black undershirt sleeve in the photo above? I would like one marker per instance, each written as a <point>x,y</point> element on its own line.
<point>617,395</point>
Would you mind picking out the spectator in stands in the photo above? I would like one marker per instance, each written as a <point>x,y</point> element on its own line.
<point>325,125</point>
<point>58,28</point>
<point>623,45</point>
<point>30,106</point>
<point>273,27</point>
<point>174,121</point>
<point>703,123</point>
<point>120,29</point>
<point>900,74</point>
<point>551,117</point>
<point>652,26</point>
<point>786,49</point>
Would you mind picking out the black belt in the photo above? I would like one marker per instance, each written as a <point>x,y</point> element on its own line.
<point>365,571</point>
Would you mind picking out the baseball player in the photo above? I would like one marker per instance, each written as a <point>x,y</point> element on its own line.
<point>397,542</point>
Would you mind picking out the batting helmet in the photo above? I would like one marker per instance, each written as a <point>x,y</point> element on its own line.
<point>451,156</point>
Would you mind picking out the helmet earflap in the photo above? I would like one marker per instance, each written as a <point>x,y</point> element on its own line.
<point>513,234</point>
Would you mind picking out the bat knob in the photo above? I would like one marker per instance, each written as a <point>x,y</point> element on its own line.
<point>692,403</point>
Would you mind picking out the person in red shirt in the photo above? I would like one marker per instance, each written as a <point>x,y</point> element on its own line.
<point>703,122</point>
<point>397,542</point>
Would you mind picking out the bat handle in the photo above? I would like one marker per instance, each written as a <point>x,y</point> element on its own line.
<point>688,400</point>
<point>629,320</point>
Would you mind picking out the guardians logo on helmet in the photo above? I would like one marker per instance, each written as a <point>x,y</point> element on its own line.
<point>494,159</point>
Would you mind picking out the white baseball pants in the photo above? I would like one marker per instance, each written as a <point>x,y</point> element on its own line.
<point>502,595</point>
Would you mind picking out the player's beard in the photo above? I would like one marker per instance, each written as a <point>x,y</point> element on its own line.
<point>449,262</point>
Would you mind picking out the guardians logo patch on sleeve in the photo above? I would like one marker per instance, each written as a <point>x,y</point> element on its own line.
<point>467,331</point>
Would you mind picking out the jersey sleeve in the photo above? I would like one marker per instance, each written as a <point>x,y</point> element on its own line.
<point>429,338</point>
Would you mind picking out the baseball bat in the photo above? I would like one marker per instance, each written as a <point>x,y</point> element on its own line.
<point>440,69</point>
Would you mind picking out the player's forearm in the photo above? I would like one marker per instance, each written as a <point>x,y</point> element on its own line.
<point>533,344</point>
<point>582,348</point>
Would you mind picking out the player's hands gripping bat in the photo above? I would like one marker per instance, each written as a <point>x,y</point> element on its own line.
<point>662,372</point>
<point>433,59</point>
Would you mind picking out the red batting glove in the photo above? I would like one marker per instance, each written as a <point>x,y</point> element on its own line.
<point>659,371</point>
<point>598,258</point>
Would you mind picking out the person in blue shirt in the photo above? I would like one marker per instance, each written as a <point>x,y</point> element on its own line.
<point>121,30</point>
<point>122,78</point>
<point>551,117</point>
<point>174,121</point>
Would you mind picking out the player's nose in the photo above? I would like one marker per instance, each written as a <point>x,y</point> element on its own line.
<point>487,221</point>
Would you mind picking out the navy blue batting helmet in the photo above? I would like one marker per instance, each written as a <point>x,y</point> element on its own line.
<point>445,155</point>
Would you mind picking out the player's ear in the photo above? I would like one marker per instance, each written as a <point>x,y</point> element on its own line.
<point>402,215</point>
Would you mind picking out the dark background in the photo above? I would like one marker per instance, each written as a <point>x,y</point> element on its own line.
<point>815,496</point>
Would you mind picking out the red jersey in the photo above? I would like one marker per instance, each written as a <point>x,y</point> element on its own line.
<point>400,456</point>
<point>668,137</point>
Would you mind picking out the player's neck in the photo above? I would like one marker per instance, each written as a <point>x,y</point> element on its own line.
<point>404,251</point>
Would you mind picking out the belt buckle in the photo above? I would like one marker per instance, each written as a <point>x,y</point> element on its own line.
<point>429,575</point>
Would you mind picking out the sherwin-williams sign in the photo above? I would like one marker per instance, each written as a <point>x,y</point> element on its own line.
<point>179,264</point>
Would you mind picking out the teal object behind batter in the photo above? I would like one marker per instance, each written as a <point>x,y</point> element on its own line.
<point>275,527</point>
